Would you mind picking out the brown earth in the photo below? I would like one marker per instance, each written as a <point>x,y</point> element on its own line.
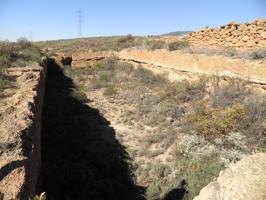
<point>20,114</point>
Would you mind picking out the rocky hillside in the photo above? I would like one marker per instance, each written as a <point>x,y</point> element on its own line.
<point>238,35</point>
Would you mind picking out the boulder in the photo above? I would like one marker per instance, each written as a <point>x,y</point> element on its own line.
<point>245,180</point>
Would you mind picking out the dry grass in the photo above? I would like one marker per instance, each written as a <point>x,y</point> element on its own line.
<point>204,125</point>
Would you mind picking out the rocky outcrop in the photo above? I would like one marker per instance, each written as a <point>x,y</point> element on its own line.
<point>88,58</point>
<point>245,180</point>
<point>20,118</point>
<point>237,35</point>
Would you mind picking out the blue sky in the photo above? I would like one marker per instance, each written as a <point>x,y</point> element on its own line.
<point>54,19</point>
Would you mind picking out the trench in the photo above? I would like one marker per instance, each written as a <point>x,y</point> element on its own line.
<point>81,158</point>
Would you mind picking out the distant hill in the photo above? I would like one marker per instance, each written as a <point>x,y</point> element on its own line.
<point>178,33</point>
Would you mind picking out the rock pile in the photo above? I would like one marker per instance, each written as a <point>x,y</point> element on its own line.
<point>237,35</point>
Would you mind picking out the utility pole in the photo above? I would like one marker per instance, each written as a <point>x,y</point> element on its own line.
<point>80,20</point>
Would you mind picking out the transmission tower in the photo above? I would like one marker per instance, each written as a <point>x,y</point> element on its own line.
<point>80,20</point>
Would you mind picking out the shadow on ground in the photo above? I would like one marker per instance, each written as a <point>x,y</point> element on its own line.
<point>177,193</point>
<point>81,159</point>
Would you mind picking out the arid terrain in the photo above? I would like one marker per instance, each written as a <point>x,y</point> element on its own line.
<point>126,117</point>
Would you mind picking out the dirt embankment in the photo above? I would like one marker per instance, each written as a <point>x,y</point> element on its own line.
<point>178,65</point>
<point>20,114</point>
<point>237,35</point>
<point>254,71</point>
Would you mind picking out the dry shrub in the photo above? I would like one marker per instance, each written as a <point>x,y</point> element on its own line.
<point>226,94</point>
<point>208,121</point>
<point>257,54</point>
<point>178,45</point>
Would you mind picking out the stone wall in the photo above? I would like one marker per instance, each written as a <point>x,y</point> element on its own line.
<point>237,35</point>
<point>20,125</point>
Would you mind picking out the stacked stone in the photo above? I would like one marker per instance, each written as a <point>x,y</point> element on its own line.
<point>237,35</point>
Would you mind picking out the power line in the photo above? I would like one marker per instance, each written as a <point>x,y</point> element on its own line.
<point>80,20</point>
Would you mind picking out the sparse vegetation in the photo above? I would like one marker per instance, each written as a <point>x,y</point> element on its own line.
<point>155,44</point>
<point>78,94</point>
<point>109,91</point>
<point>19,54</point>
<point>15,54</point>
<point>205,124</point>
<point>115,43</point>
<point>5,81</point>
<point>258,54</point>
<point>178,45</point>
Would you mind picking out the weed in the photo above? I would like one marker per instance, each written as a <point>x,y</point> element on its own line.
<point>155,44</point>
<point>109,91</point>
<point>230,52</point>
<point>230,156</point>
<point>215,122</point>
<point>5,81</point>
<point>216,125</point>
<point>19,54</point>
<point>178,45</point>
<point>153,191</point>
<point>147,78</point>
<point>234,91</point>
<point>258,54</point>
<point>78,94</point>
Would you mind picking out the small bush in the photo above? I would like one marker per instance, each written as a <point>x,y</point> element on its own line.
<point>104,77</point>
<point>124,39</point>
<point>230,52</point>
<point>153,192</point>
<point>23,43</point>
<point>5,81</point>
<point>125,67</point>
<point>109,91</point>
<point>195,147</point>
<point>155,44</point>
<point>18,54</point>
<point>79,95</point>
<point>237,140</point>
<point>214,122</point>
<point>230,156</point>
<point>178,45</point>
<point>258,54</point>
<point>235,91</point>
<point>41,197</point>
<point>147,77</point>
<point>198,173</point>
